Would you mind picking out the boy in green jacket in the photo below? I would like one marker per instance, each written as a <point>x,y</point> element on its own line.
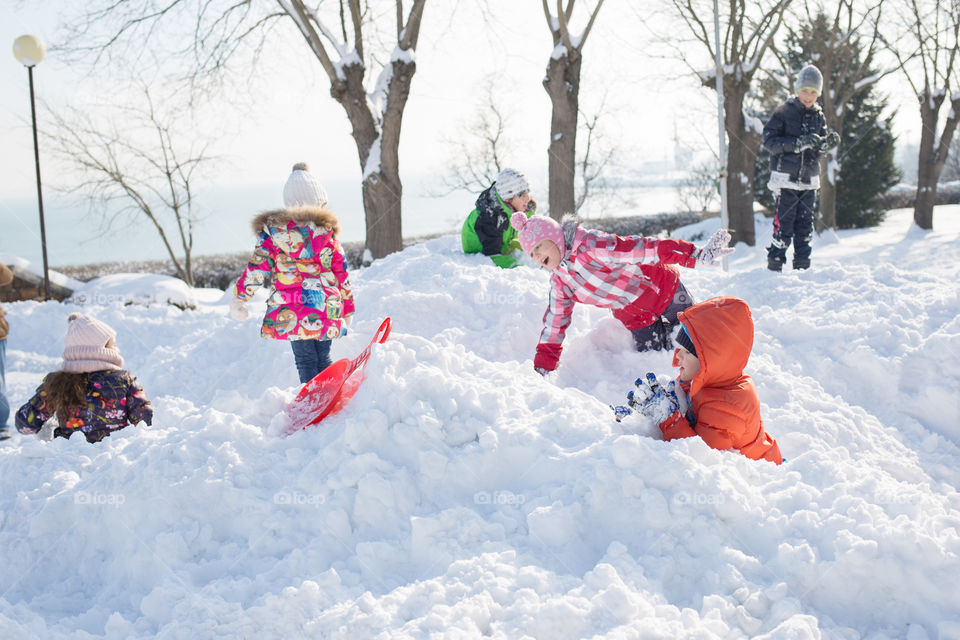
<point>487,229</point>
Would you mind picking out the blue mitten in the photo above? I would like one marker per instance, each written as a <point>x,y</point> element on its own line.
<point>653,400</point>
<point>620,412</point>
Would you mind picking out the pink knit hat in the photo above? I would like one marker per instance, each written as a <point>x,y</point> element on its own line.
<point>90,345</point>
<point>531,231</point>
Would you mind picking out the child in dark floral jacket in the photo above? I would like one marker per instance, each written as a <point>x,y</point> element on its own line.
<point>92,393</point>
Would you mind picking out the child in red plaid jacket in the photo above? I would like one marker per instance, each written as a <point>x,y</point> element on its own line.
<point>634,276</point>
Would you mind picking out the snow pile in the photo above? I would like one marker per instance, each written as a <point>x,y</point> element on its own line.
<point>462,495</point>
<point>134,288</point>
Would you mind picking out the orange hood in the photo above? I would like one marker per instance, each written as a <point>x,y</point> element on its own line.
<point>722,333</point>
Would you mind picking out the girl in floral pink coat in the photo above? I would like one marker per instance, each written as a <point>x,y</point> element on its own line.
<point>299,258</point>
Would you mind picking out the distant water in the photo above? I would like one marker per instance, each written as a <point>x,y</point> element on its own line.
<point>77,236</point>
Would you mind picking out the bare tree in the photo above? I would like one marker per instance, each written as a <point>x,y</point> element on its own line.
<point>479,153</point>
<point>930,64</point>
<point>562,83</point>
<point>592,164</point>
<point>951,169</point>
<point>131,161</point>
<point>844,47</point>
<point>477,156</point>
<point>747,30</point>
<point>217,30</point>
<point>701,187</point>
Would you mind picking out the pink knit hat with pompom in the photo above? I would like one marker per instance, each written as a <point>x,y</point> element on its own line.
<point>532,231</point>
<point>90,345</point>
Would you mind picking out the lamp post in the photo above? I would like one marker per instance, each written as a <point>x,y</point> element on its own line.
<point>29,50</point>
<point>721,129</point>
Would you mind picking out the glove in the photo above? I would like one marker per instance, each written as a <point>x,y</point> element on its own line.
<point>238,310</point>
<point>531,205</point>
<point>620,412</point>
<point>515,245</point>
<point>715,249</point>
<point>807,141</point>
<point>652,400</point>
<point>830,141</point>
<point>541,370</point>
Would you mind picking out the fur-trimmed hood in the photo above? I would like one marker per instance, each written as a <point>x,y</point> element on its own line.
<point>320,217</point>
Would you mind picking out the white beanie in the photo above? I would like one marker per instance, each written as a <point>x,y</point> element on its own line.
<point>303,189</point>
<point>90,345</point>
<point>810,78</point>
<point>510,183</point>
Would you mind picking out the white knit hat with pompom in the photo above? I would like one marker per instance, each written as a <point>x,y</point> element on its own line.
<point>510,183</point>
<point>303,189</point>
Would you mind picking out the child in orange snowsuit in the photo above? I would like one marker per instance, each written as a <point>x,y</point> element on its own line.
<point>711,398</point>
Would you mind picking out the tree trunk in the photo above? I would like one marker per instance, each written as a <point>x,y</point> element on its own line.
<point>828,203</point>
<point>932,154</point>
<point>828,187</point>
<point>381,201</point>
<point>741,165</point>
<point>562,84</point>
<point>385,230</point>
<point>378,151</point>
<point>927,174</point>
<point>928,164</point>
<point>188,269</point>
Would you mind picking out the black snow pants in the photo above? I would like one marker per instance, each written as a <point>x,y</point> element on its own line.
<point>793,221</point>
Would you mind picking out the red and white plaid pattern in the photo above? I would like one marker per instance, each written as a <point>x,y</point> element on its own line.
<point>603,270</point>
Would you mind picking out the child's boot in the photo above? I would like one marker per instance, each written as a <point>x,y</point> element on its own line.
<point>776,253</point>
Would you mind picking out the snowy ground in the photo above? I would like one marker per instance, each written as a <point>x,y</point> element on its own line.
<point>462,495</point>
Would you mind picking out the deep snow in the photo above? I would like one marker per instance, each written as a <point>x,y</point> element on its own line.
<point>462,495</point>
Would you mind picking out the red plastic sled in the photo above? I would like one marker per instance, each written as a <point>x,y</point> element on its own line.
<point>326,394</point>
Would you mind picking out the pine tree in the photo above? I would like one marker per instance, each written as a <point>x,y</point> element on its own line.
<point>868,169</point>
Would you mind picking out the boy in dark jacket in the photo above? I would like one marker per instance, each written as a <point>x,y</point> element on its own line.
<point>796,135</point>
<point>487,229</point>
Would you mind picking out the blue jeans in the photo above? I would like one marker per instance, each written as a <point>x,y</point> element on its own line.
<point>311,357</point>
<point>4,403</point>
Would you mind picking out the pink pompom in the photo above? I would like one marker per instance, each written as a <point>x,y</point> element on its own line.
<point>518,219</point>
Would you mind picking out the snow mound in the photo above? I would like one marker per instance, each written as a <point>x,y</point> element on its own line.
<point>135,288</point>
<point>461,495</point>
